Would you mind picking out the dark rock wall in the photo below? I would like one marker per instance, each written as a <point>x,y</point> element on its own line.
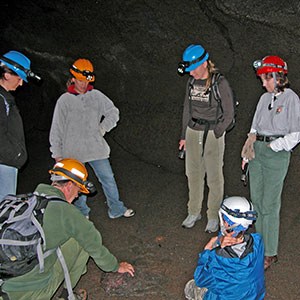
<point>135,47</point>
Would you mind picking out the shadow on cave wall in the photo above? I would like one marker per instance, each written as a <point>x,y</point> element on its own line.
<point>135,47</point>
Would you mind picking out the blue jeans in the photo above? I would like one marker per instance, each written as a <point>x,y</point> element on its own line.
<point>8,180</point>
<point>104,173</point>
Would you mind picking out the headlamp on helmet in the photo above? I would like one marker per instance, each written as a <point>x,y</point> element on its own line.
<point>87,74</point>
<point>184,65</point>
<point>83,69</point>
<point>19,64</point>
<point>238,212</point>
<point>71,169</point>
<point>193,56</point>
<point>270,64</point>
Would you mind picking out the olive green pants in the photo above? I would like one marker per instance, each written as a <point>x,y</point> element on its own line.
<point>76,259</point>
<point>267,172</point>
<point>210,164</point>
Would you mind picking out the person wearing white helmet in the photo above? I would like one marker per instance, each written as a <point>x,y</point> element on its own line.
<point>14,69</point>
<point>275,131</point>
<point>231,267</point>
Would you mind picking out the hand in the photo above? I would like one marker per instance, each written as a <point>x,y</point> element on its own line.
<point>244,163</point>
<point>182,144</point>
<point>230,240</point>
<point>125,267</point>
<point>211,244</point>
<point>248,148</point>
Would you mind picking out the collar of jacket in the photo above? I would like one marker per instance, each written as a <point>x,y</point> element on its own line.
<point>71,89</point>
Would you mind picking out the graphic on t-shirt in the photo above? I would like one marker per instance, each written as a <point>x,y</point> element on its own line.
<point>199,93</point>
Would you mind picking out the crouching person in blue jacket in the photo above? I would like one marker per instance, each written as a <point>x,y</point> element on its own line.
<point>231,266</point>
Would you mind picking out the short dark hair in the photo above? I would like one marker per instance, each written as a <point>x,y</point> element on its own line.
<point>60,183</point>
<point>4,69</point>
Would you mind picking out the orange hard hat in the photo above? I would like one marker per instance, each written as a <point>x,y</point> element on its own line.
<point>82,69</point>
<point>74,170</point>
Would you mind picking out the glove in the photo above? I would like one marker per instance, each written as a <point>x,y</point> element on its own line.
<point>248,148</point>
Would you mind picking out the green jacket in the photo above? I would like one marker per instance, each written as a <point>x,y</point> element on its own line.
<point>63,221</point>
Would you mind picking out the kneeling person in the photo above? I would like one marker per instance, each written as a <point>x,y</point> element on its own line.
<point>65,227</point>
<point>231,266</point>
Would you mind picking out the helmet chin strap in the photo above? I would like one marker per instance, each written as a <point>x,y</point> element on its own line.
<point>271,105</point>
<point>227,229</point>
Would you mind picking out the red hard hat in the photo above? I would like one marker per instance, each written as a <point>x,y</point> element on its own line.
<point>271,64</point>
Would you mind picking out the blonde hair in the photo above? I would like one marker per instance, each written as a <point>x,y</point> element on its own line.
<point>211,69</point>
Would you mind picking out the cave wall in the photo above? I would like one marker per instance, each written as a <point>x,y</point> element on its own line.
<point>135,47</point>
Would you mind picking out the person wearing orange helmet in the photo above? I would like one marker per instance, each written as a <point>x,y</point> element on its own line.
<point>275,131</point>
<point>81,118</point>
<point>65,227</point>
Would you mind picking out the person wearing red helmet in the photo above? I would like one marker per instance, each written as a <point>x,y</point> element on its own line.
<point>275,131</point>
<point>81,118</point>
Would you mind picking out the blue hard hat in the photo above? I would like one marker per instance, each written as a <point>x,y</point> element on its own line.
<point>17,62</point>
<point>195,55</point>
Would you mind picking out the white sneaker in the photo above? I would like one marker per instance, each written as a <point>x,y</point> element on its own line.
<point>190,221</point>
<point>129,213</point>
<point>212,226</point>
<point>193,292</point>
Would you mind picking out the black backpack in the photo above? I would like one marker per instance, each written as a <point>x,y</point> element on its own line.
<point>215,89</point>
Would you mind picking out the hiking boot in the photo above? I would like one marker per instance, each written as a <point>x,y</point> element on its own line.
<point>212,226</point>
<point>193,292</point>
<point>190,221</point>
<point>80,295</point>
<point>269,261</point>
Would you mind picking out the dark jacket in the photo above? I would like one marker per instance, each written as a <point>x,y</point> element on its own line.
<point>12,141</point>
<point>199,104</point>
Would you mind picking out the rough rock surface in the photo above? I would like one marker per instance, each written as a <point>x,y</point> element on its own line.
<point>135,47</point>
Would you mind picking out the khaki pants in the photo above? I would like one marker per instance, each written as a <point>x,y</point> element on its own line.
<point>209,164</point>
<point>76,259</point>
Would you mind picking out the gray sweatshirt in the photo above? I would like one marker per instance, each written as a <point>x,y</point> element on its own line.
<point>79,123</point>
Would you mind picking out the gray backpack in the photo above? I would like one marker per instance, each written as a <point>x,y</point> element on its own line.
<point>22,238</point>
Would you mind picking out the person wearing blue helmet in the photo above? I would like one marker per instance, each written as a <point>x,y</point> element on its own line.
<point>203,134</point>
<point>14,69</point>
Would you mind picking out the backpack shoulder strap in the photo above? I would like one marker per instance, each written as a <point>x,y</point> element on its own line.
<point>190,87</point>
<point>215,85</point>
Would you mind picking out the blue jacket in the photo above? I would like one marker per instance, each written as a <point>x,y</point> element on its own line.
<point>233,278</point>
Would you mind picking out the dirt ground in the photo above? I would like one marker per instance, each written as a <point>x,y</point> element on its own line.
<point>163,253</point>
<point>135,47</point>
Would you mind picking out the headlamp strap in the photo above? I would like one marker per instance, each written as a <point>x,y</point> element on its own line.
<point>248,215</point>
<point>13,63</point>
<point>70,174</point>
<point>189,63</point>
<point>88,74</point>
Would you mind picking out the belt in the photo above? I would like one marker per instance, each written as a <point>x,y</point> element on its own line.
<point>203,121</point>
<point>266,138</point>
